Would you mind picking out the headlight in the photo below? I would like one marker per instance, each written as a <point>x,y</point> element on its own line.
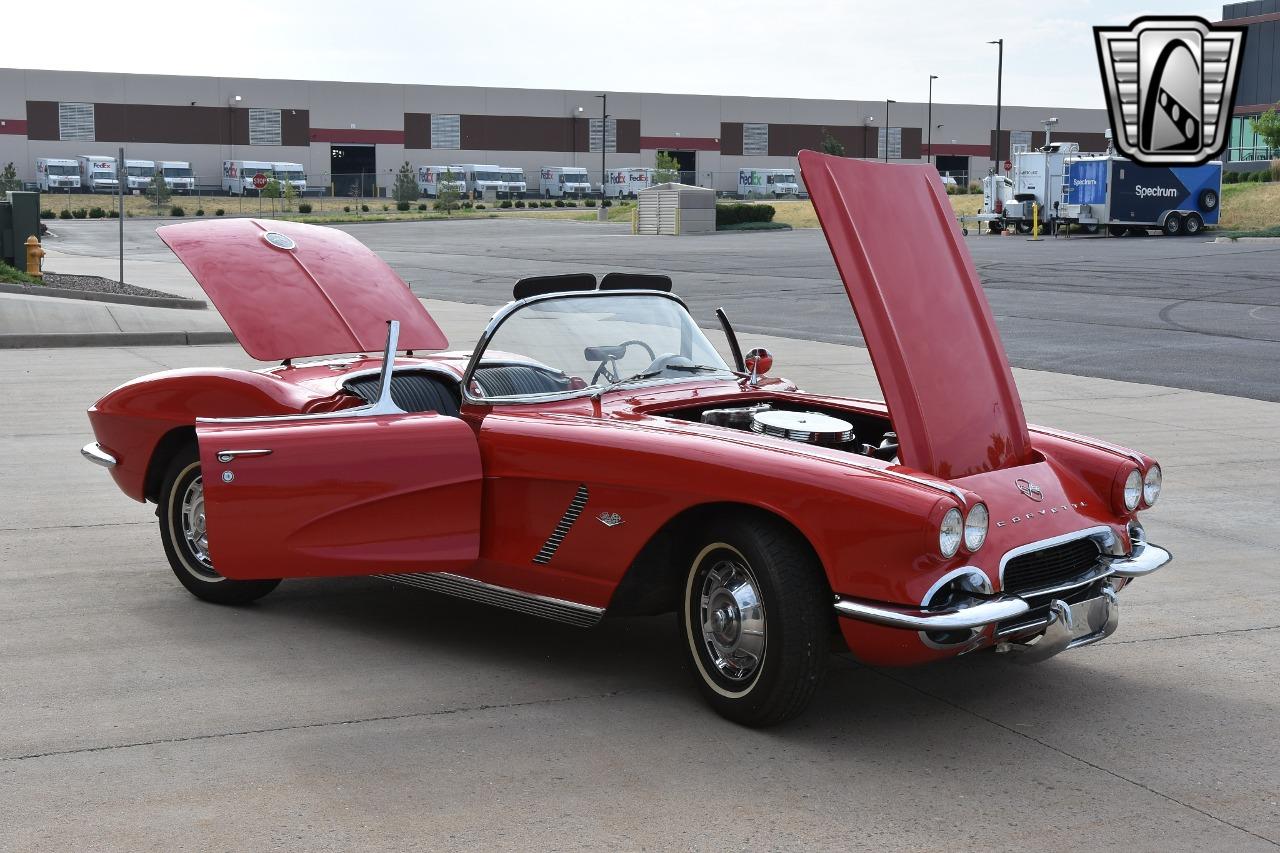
<point>975,527</point>
<point>950,533</point>
<point>1151,484</point>
<point>1132,490</point>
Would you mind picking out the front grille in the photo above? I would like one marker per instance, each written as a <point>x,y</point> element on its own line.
<point>1050,567</point>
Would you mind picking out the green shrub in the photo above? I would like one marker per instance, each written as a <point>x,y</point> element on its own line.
<point>1275,170</point>
<point>544,204</point>
<point>219,212</point>
<point>400,206</point>
<point>1265,176</point>
<point>65,214</point>
<point>479,207</point>
<point>304,207</point>
<point>422,207</point>
<point>80,213</point>
<point>591,202</point>
<point>570,203</point>
<point>199,211</point>
<point>1230,177</point>
<point>505,203</point>
<point>975,187</point>
<point>519,203</point>
<point>559,202</point>
<point>467,205</point>
<point>732,214</point>
<point>364,208</point>
<point>177,211</point>
<point>97,213</point>
<point>386,207</point>
<point>48,214</point>
<point>113,213</point>
<point>606,203</point>
<point>346,208</point>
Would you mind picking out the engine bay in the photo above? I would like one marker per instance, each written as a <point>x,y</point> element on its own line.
<point>842,429</point>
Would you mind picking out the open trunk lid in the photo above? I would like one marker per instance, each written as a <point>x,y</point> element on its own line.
<point>922,311</point>
<point>289,290</point>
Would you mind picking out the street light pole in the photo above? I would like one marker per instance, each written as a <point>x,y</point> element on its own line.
<point>932,77</point>
<point>604,136</point>
<point>887,102</point>
<point>999,86</point>
<point>866,132</point>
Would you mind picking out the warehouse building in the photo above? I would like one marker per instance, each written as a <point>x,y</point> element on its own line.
<point>352,133</point>
<point>1259,86</point>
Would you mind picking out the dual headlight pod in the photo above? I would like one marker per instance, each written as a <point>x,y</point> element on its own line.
<point>1142,489</point>
<point>956,528</point>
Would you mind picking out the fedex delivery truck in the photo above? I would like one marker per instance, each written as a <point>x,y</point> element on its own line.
<point>53,173</point>
<point>432,178</point>
<point>178,176</point>
<point>97,174</point>
<point>138,175</point>
<point>481,179</point>
<point>560,181</point>
<point>627,183</point>
<point>238,175</point>
<point>513,181</point>
<point>1109,191</point>
<point>773,183</point>
<point>292,174</point>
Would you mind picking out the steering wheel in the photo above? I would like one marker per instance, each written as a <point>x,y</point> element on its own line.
<point>609,366</point>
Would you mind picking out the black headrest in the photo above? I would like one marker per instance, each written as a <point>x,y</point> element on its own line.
<point>635,281</point>
<point>537,285</point>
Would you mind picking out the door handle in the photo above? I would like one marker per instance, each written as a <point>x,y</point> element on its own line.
<point>228,455</point>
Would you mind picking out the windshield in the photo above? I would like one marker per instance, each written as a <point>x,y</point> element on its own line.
<point>571,343</point>
<point>513,177</point>
<point>289,175</point>
<point>248,172</point>
<point>104,176</point>
<point>63,170</point>
<point>573,178</point>
<point>488,176</point>
<point>782,179</point>
<point>140,171</point>
<point>177,172</point>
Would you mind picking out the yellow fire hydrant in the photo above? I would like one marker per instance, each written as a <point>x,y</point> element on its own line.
<point>34,254</point>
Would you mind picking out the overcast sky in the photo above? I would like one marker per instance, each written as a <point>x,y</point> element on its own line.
<point>795,48</point>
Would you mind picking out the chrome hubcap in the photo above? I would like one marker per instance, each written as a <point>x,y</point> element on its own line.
<point>193,526</point>
<point>733,625</point>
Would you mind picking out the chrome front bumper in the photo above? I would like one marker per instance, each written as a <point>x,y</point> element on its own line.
<point>95,454</point>
<point>1143,559</point>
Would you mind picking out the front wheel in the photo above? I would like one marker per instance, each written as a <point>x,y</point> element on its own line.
<point>1172,225</point>
<point>186,540</point>
<point>755,618</point>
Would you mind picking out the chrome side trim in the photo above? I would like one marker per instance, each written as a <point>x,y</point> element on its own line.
<point>957,619</point>
<point>1096,444</point>
<point>549,548</point>
<point>557,609</point>
<point>1105,536</point>
<point>942,487</point>
<point>95,454</point>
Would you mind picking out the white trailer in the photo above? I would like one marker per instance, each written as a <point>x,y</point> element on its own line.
<point>627,183</point>
<point>53,173</point>
<point>560,181</point>
<point>513,180</point>
<point>770,183</point>
<point>97,173</point>
<point>178,176</point>
<point>138,175</point>
<point>292,173</point>
<point>431,178</point>
<point>1037,180</point>
<point>481,179</point>
<point>238,175</point>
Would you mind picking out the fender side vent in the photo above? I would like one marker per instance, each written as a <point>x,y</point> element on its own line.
<point>549,548</point>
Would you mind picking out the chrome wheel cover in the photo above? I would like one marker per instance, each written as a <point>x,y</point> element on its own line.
<point>733,620</point>
<point>194,531</point>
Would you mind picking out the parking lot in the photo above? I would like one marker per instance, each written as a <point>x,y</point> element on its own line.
<point>351,714</point>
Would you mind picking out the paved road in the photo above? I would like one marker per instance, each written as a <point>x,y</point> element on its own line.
<point>355,715</point>
<point>1176,312</point>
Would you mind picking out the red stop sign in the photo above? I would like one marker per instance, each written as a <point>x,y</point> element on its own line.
<point>1008,167</point>
<point>259,181</point>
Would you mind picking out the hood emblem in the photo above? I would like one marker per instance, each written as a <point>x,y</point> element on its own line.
<point>280,241</point>
<point>1029,489</point>
<point>609,519</point>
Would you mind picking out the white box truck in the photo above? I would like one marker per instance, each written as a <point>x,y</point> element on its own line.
<point>481,179</point>
<point>513,180</point>
<point>178,175</point>
<point>769,183</point>
<point>627,183</point>
<point>560,181</point>
<point>1037,180</point>
<point>97,173</point>
<point>238,175</point>
<point>431,178</point>
<point>53,173</point>
<point>138,175</point>
<point>292,173</point>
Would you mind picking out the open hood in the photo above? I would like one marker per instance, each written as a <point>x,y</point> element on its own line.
<point>926,321</point>
<point>289,290</point>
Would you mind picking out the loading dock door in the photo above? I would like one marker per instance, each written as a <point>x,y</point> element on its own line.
<point>688,161</point>
<point>353,169</point>
<point>957,166</point>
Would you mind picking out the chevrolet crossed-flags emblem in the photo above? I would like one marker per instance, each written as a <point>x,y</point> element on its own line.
<point>1170,84</point>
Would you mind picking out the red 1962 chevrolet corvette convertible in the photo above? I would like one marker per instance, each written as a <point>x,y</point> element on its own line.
<point>594,454</point>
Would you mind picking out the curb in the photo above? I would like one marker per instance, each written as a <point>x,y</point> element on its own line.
<point>114,339</point>
<point>1247,240</point>
<point>117,298</point>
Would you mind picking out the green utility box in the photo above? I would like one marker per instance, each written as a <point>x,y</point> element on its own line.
<point>19,219</point>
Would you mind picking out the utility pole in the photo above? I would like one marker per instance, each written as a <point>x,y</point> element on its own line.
<point>604,148</point>
<point>866,137</point>
<point>121,180</point>
<point>887,102</point>
<point>932,77</point>
<point>999,86</point>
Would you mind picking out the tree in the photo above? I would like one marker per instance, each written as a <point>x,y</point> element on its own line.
<point>289,193</point>
<point>1267,126</point>
<point>447,193</point>
<point>405,189</point>
<point>9,179</point>
<point>272,189</point>
<point>158,191</point>
<point>665,168</point>
<point>831,145</point>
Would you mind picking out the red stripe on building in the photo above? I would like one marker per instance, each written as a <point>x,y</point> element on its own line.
<point>693,143</point>
<point>16,126</point>
<point>357,136</point>
<point>956,148</point>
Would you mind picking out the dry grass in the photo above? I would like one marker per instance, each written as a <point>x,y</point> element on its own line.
<point>799,214</point>
<point>1250,207</point>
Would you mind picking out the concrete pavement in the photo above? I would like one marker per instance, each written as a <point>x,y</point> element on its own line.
<point>351,714</point>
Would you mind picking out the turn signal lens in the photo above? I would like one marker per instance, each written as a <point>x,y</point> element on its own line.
<point>1132,490</point>
<point>1151,484</point>
<point>975,527</point>
<point>950,533</point>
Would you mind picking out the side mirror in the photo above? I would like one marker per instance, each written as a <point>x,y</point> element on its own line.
<point>759,362</point>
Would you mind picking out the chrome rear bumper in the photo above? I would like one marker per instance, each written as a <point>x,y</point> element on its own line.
<point>95,454</point>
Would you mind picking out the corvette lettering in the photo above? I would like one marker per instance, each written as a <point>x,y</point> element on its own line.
<point>1050,510</point>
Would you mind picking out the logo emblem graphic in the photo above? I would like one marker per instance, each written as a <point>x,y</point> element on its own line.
<point>609,519</point>
<point>1170,84</point>
<point>1029,489</point>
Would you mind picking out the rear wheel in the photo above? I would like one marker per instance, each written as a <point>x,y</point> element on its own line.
<point>1192,225</point>
<point>1172,225</point>
<point>1090,229</point>
<point>186,540</point>
<point>755,621</point>
<point>1117,230</point>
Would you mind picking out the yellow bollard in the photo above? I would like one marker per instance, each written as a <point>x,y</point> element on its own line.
<point>1035,222</point>
<point>34,254</point>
